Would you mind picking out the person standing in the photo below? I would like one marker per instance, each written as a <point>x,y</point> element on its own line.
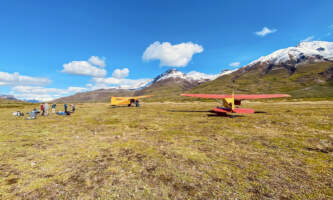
<point>46,108</point>
<point>65,106</point>
<point>73,107</point>
<point>42,109</point>
<point>54,108</point>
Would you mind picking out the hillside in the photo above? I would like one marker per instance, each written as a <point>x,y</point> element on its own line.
<point>307,80</point>
<point>302,71</point>
<point>168,86</point>
<point>101,95</point>
<point>168,89</point>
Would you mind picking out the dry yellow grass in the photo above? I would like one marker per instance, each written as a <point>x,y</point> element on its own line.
<point>169,151</point>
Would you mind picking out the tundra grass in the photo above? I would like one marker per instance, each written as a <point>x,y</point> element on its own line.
<point>169,151</point>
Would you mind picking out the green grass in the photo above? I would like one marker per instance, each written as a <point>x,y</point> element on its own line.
<point>169,151</point>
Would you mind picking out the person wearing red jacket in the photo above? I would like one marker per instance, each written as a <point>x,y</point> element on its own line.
<point>42,109</point>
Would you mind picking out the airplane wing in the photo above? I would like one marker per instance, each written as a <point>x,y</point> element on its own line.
<point>237,96</point>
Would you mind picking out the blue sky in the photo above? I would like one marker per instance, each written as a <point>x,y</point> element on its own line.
<point>141,39</point>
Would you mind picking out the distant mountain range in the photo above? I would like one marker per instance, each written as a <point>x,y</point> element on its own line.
<point>171,83</point>
<point>12,98</point>
<point>32,101</point>
<point>302,71</point>
<point>8,97</point>
<point>170,80</point>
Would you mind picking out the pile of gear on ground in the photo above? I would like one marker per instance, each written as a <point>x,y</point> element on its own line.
<point>44,111</point>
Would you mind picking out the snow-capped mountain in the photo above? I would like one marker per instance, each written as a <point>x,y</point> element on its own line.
<point>303,52</point>
<point>191,76</point>
<point>227,71</point>
<point>137,86</point>
<point>174,82</point>
<point>305,70</point>
<point>171,73</point>
<point>198,76</point>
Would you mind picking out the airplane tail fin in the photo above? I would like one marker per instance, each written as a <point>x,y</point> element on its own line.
<point>233,95</point>
<point>233,100</point>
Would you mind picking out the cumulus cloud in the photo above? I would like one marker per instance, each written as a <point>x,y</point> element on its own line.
<point>92,67</point>
<point>83,68</point>
<point>17,79</point>
<point>265,31</point>
<point>36,89</point>
<point>42,93</point>
<point>178,55</point>
<point>234,64</point>
<point>76,89</point>
<point>122,83</point>
<point>120,73</point>
<point>310,38</point>
<point>95,60</point>
<point>118,80</point>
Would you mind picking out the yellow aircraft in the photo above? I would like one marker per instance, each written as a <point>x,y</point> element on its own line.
<point>116,101</point>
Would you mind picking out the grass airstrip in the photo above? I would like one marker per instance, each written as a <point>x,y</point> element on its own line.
<point>169,151</point>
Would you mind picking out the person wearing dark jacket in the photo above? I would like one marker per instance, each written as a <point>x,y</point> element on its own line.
<point>54,108</point>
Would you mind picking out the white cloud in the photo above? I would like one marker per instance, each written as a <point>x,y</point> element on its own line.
<point>76,89</point>
<point>310,38</point>
<point>330,26</point>
<point>198,76</point>
<point>89,85</point>
<point>120,73</point>
<point>95,60</point>
<point>265,31</point>
<point>178,55</point>
<point>17,79</point>
<point>234,64</point>
<point>93,67</point>
<point>37,89</point>
<point>42,93</point>
<point>119,83</point>
<point>118,80</point>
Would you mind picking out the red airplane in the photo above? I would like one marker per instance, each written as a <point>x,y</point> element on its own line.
<point>230,100</point>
